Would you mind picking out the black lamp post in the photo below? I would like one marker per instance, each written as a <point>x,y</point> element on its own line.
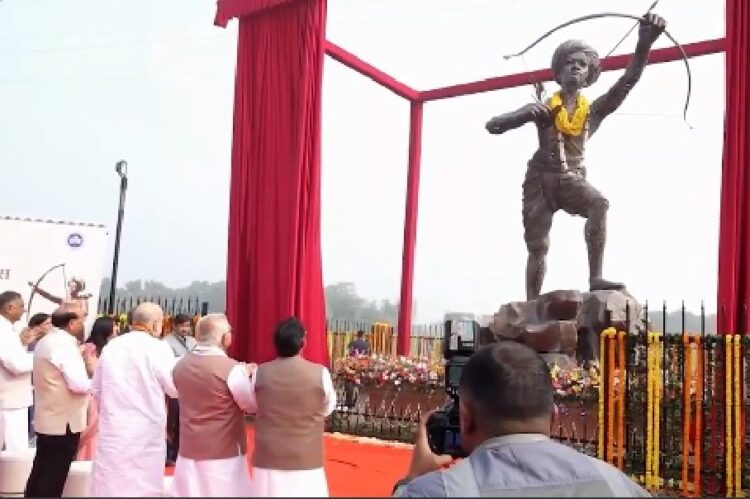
<point>122,170</point>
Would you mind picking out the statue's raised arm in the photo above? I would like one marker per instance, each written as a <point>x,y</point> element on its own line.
<point>651,27</point>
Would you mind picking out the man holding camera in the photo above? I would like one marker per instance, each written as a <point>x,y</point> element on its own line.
<point>505,402</point>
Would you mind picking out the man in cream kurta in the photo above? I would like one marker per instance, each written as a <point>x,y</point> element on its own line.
<point>16,363</point>
<point>61,391</point>
<point>215,393</point>
<point>293,397</point>
<point>132,377</point>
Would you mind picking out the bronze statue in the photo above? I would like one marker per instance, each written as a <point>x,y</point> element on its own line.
<point>556,175</point>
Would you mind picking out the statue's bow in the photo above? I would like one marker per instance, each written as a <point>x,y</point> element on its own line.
<point>624,16</point>
<point>39,281</point>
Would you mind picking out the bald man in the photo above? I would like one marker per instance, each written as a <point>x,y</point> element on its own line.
<point>132,377</point>
<point>215,393</point>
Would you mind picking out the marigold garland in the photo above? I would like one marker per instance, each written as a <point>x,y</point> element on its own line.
<point>737,406</point>
<point>728,364</point>
<point>600,415</point>
<point>563,122</point>
<point>658,382</point>
<point>687,384</point>
<point>654,381</point>
<point>649,410</point>
<point>611,395</point>
<point>698,437</point>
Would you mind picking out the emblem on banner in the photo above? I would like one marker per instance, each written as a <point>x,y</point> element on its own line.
<point>75,240</point>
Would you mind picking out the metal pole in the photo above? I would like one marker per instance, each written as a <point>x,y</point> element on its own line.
<point>122,171</point>
<point>403,342</point>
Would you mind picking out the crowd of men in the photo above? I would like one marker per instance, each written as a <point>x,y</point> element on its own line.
<point>505,402</point>
<point>138,380</point>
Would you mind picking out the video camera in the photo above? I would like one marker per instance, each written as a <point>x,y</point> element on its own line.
<point>459,343</point>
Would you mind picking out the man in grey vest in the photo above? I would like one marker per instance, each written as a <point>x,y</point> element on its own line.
<point>505,403</point>
<point>293,398</point>
<point>180,341</point>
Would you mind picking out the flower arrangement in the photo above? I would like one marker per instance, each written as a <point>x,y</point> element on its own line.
<point>382,370</point>
<point>578,382</point>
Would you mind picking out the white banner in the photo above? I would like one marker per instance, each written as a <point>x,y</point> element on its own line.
<point>64,260</point>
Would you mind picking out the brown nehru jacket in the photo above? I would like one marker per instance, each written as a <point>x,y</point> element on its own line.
<point>211,423</point>
<point>291,415</point>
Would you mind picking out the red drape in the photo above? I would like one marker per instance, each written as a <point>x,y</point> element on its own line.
<point>274,257</point>
<point>734,236</point>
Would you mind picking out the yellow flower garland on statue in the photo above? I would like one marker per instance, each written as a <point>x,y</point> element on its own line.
<point>570,125</point>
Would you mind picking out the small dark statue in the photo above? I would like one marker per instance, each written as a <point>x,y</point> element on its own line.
<point>556,175</point>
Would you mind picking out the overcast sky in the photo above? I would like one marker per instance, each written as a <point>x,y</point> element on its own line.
<point>85,83</point>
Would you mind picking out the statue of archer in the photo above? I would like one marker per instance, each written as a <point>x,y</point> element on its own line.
<point>556,175</point>
<point>75,294</point>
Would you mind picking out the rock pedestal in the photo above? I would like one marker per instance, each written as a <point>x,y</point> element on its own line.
<point>566,322</point>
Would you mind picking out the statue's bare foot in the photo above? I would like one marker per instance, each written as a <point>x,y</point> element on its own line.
<point>599,284</point>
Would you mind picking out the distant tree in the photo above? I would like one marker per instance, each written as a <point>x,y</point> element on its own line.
<point>343,303</point>
<point>675,324</point>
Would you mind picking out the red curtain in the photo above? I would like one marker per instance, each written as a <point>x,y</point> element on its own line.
<point>274,257</point>
<point>734,236</point>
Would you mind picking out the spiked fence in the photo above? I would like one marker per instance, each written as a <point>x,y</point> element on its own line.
<point>171,305</point>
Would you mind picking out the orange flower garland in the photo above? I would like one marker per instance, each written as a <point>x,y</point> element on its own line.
<point>698,444</point>
<point>687,410</point>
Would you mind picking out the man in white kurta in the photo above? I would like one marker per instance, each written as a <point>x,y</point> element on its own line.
<point>215,393</point>
<point>16,363</point>
<point>293,398</point>
<point>132,377</point>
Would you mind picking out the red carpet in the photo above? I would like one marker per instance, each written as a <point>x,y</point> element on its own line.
<point>358,467</point>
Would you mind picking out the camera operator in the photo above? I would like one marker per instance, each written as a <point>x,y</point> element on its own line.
<point>505,402</point>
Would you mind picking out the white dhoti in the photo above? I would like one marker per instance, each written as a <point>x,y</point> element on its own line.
<point>211,478</point>
<point>14,429</point>
<point>283,483</point>
<point>129,463</point>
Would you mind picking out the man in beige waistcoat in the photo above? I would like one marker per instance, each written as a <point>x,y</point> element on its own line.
<point>61,386</point>
<point>294,397</point>
<point>214,393</point>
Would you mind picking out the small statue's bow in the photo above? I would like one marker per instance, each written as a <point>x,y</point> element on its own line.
<point>624,16</point>
<point>39,281</point>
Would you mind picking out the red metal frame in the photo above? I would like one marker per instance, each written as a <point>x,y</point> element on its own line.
<point>418,98</point>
